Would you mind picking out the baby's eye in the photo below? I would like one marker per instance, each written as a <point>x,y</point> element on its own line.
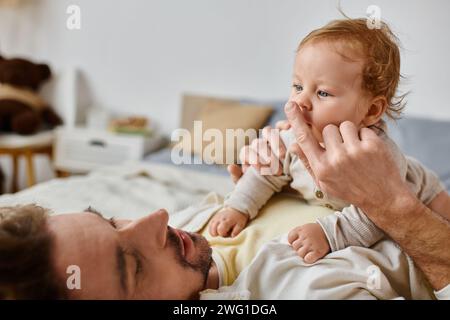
<point>323,94</point>
<point>297,87</point>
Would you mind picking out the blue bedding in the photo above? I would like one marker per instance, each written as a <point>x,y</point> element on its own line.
<point>163,156</point>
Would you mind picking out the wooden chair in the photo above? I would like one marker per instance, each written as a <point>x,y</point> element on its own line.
<point>15,146</point>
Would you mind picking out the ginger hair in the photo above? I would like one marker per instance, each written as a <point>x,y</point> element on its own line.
<point>378,47</point>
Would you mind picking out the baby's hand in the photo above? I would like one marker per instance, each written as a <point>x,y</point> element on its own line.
<point>309,241</point>
<point>227,221</point>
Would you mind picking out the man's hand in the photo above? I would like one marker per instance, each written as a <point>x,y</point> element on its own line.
<point>360,169</point>
<point>263,153</point>
<point>342,167</point>
<point>309,241</point>
<point>228,222</point>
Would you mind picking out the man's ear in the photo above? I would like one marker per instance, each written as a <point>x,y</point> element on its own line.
<point>376,110</point>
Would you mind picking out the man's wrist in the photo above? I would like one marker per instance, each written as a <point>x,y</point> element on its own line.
<point>399,205</point>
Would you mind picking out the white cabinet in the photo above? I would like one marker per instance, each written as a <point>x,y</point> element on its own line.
<point>79,150</point>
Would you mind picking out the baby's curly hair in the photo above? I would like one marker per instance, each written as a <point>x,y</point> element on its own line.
<point>380,49</point>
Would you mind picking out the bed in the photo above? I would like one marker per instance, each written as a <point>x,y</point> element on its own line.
<point>135,189</point>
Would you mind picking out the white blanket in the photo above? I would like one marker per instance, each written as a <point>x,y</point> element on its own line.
<point>126,192</point>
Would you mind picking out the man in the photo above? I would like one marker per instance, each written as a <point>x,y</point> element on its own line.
<point>147,259</point>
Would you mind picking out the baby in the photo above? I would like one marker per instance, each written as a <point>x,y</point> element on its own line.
<point>343,71</point>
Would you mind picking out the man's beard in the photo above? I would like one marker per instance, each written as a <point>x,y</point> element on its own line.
<point>204,256</point>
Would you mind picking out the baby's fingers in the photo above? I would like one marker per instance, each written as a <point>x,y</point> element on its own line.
<point>237,229</point>
<point>312,256</point>
<point>297,244</point>
<point>224,228</point>
<point>303,251</point>
<point>213,227</point>
<point>293,235</point>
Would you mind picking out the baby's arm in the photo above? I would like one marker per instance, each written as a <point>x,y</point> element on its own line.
<point>351,227</point>
<point>251,192</point>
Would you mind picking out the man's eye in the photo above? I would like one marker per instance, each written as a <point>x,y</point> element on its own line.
<point>113,222</point>
<point>323,94</point>
<point>297,87</point>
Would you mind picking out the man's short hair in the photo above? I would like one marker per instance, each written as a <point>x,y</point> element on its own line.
<point>26,267</point>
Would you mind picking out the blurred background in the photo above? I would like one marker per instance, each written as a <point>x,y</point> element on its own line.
<point>140,56</point>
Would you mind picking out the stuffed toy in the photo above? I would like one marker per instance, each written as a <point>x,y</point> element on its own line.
<point>22,110</point>
<point>2,182</point>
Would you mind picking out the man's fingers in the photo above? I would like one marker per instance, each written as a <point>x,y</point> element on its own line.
<point>303,134</point>
<point>235,172</point>
<point>349,132</point>
<point>295,148</point>
<point>332,137</point>
<point>368,134</point>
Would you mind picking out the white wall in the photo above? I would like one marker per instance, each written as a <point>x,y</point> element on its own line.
<point>139,55</point>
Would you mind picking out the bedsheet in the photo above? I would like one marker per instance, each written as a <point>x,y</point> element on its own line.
<point>127,192</point>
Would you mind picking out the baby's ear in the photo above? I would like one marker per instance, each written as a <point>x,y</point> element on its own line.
<point>376,110</point>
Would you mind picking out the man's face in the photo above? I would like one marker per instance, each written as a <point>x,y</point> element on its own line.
<point>141,259</point>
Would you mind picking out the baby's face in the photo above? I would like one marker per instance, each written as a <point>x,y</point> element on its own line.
<point>327,87</point>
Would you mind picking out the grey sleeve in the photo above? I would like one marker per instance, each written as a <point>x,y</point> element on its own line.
<point>350,227</point>
<point>422,181</point>
<point>253,190</point>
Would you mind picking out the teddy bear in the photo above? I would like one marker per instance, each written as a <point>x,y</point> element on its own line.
<point>22,110</point>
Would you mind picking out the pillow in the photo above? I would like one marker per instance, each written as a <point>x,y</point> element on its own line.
<point>217,145</point>
<point>426,140</point>
<point>277,106</point>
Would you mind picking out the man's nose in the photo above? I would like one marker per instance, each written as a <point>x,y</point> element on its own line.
<point>152,227</point>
